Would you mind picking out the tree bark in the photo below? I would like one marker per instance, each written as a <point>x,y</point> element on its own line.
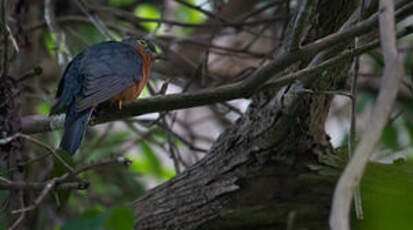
<point>274,168</point>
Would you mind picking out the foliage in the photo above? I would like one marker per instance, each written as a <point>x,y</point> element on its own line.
<point>115,218</point>
<point>386,195</point>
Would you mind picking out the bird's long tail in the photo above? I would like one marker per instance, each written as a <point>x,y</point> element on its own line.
<point>75,127</point>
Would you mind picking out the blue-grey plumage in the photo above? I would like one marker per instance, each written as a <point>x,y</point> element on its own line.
<point>97,74</point>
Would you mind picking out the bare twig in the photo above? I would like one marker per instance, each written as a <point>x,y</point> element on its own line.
<point>22,215</point>
<point>19,185</point>
<point>35,72</point>
<point>309,71</point>
<point>352,134</point>
<point>58,181</point>
<point>300,23</point>
<point>171,132</point>
<point>173,151</point>
<point>49,186</point>
<point>198,8</point>
<point>40,143</point>
<point>136,20</point>
<point>340,219</point>
<point>99,163</point>
<point>62,50</point>
<point>95,20</point>
<point>261,9</point>
<point>5,39</point>
<point>214,48</point>
<point>12,39</point>
<point>69,19</point>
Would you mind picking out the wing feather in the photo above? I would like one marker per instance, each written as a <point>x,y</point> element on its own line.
<point>108,70</point>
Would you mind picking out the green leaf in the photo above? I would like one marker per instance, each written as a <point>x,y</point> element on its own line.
<point>408,60</point>
<point>409,127</point>
<point>386,194</point>
<point>49,43</point>
<point>111,144</point>
<point>389,137</point>
<point>43,108</point>
<point>147,11</point>
<point>120,218</point>
<point>378,61</point>
<point>363,100</point>
<point>151,158</point>
<point>59,167</point>
<point>115,218</point>
<point>407,107</point>
<point>147,162</point>
<point>190,15</point>
<point>90,220</point>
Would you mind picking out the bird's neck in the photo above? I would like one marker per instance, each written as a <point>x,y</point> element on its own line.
<point>146,62</point>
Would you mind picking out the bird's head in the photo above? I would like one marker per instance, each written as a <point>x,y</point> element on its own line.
<point>142,44</point>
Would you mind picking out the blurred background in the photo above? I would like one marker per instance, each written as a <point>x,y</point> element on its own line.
<point>205,44</point>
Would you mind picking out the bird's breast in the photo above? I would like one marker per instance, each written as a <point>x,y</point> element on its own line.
<point>133,91</point>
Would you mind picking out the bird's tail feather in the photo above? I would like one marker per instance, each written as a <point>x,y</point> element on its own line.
<point>75,127</point>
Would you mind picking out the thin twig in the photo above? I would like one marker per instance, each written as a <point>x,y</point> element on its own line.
<point>95,20</point>
<point>70,19</point>
<point>173,153</point>
<point>59,185</point>
<point>49,186</point>
<point>99,163</point>
<point>22,215</point>
<point>350,179</point>
<point>352,133</point>
<point>261,9</point>
<point>199,9</point>
<point>324,92</point>
<point>35,72</point>
<point>12,39</point>
<point>5,39</point>
<point>309,71</point>
<point>170,131</point>
<point>40,143</point>
<point>62,50</point>
<point>136,20</point>
<point>18,185</point>
<point>214,48</point>
<point>300,23</point>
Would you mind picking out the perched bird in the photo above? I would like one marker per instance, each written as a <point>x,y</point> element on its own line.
<point>108,71</point>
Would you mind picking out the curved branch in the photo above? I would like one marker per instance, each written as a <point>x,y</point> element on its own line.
<point>340,213</point>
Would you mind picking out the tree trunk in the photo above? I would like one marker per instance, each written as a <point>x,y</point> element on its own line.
<point>274,168</point>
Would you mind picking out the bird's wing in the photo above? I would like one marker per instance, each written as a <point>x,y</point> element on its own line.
<point>108,68</point>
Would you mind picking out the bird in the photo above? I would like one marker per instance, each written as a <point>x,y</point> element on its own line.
<point>111,71</point>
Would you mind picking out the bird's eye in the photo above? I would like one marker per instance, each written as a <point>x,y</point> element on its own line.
<point>142,43</point>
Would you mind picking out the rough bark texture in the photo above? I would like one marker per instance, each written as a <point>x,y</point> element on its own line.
<point>10,153</point>
<point>273,168</point>
<point>13,153</point>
